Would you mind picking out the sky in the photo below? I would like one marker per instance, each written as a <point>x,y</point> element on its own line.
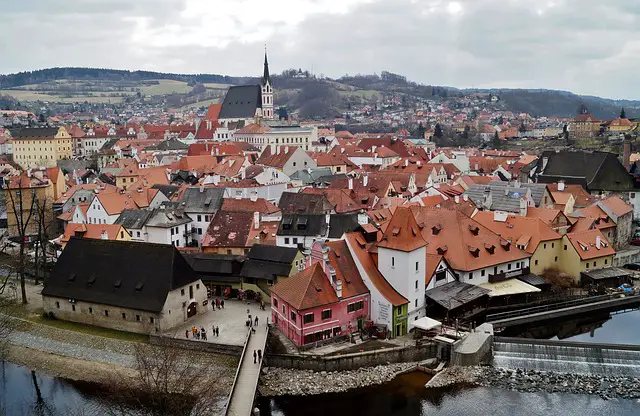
<point>588,47</point>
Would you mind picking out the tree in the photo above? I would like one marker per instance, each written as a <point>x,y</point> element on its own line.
<point>438,131</point>
<point>622,113</point>
<point>420,132</point>
<point>497,143</point>
<point>42,118</point>
<point>583,109</point>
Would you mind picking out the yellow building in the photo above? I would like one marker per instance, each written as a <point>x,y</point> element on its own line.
<point>620,125</point>
<point>41,147</point>
<point>585,250</point>
<point>29,193</point>
<point>584,126</point>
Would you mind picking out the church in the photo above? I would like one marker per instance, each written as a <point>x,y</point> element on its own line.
<point>243,104</point>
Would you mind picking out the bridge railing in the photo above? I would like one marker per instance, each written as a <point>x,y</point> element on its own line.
<point>551,307</point>
<point>235,378</point>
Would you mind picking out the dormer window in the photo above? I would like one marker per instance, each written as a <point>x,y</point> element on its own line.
<point>490,248</point>
<point>435,230</point>
<point>474,229</point>
<point>475,251</point>
<point>442,250</point>
<point>505,244</point>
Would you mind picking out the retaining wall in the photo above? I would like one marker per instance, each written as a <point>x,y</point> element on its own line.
<point>352,361</point>
<point>235,350</point>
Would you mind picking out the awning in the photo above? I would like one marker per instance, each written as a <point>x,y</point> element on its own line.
<point>509,287</point>
<point>425,324</point>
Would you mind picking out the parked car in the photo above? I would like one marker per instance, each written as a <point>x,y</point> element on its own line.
<point>632,266</point>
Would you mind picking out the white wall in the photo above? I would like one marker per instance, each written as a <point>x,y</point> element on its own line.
<point>399,268</point>
<point>480,276</point>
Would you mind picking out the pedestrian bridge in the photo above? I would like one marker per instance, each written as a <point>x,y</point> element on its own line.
<point>245,383</point>
<point>562,309</point>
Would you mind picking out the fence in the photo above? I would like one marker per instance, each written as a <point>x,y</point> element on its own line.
<point>353,361</point>
<point>235,350</point>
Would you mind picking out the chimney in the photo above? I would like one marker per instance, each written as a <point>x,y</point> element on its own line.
<point>350,181</point>
<point>419,163</point>
<point>201,188</point>
<point>256,220</point>
<point>365,180</point>
<point>206,147</point>
<point>406,162</point>
<point>339,289</point>
<point>457,199</point>
<point>105,236</point>
<point>342,150</point>
<point>277,150</point>
<point>560,186</point>
<point>598,242</point>
<point>486,200</point>
<point>523,207</point>
<point>626,154</point>
<point>286,149</point>
<point>373,148</point>
<point>465,197</point>
<point>253,197</point>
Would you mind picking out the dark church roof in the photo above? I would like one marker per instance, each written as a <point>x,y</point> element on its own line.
<point>241,102</point>
<point>124,274</point>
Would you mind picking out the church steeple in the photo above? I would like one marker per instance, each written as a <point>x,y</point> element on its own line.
<point>265,76</point>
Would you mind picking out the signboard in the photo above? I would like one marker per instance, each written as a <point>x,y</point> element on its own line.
<point>383,309</point>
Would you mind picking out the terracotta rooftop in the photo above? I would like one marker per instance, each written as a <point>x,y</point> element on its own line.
<point>586,244</point>
<point>402,233</point>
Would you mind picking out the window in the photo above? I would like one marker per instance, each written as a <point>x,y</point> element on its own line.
<point>470,275</point>
<point>545,246</point>
<point>138,318</point>
<point>352,307</point>
<point>199,231</point>
<point>91,311</point>
<point>206,218</point>
<point>73,308</point>
<point>509,266</point>
<point>197,286</point>
<point>181,292</point>
<point>416,303</point>
<point>124,315</point>
<point>399,310</point>
<point>137,233</point>
<point>286,240</point>
<point>632,195</point>
<point>293,316</point>
<point>482,273</point>
<point>151,319</point>
<point>58,305</point>
<point>295,240</point>
<point>587,265</point>
<point>536,262</point>
<point>417,266</point>
<point>565,247</point>
<point>553,245</point>
<point>308,318</point>
<point>555,259</point>
<point>106,312</point>
<point>282,308</point>
<point>326,314</point>
<point>595,264</point>
<point>393,262</point>
<point>416,285</point>
<point>199,218</point>
<point>441,275</point>
<point>275,302</point>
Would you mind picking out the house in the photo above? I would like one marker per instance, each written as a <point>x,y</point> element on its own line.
<point>302,229</point>
<point>107,207</point>
<point>600,173</point>
<point>584,126</point>
<point>287,159</point>
<point>150,289</point>
<point>168,224</point>
<point>112,232</point>
<point>272,134</point>
<point>265,175</point>
<point>228,233</point>
<point>515,198</point>
<point>531,235</point>
<point>220,273</point>
<point>326,300</point>
<point>585,250</point>
<point>41,146</point>
<point>266,264</point>
<point>201,204</point>
<point>612,216</point>
<point>337,162</point>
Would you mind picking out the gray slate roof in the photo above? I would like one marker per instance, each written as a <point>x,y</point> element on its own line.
<point>455,294</point>
<point>134,218</point>
<point>506,201</point>
<point>206,201</point>
<point>139,279</point>
<point>303,225</point>
<point>168,217</point>
<point>342,223</point>
<point>34,132</point>
<point>537,189</point>
<point>271,253</point>
<point>241,102</point>
<point>311,176</point>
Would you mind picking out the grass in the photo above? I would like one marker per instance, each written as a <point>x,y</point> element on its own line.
<point>216,86</point>
<point>166,86</point>
<point>204,103</point>
<point>89,329</point>
<point>30,95</point>
<point>364,94</point>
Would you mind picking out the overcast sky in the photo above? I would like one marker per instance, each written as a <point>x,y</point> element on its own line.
<point>584,46</point>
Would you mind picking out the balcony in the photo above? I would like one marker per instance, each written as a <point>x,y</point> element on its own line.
<point>501,277</point>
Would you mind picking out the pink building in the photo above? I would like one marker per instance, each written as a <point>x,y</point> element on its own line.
<point>327,299</point>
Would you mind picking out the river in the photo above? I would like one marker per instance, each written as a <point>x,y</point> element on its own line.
<point>403,396</point>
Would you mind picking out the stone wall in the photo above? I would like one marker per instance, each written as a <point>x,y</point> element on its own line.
<point>189,344</point>
<point>352,361</point>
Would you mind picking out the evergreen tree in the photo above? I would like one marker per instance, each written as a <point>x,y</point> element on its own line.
<point>497,143</point>
<point>420,131</point>
<point>622,113</point>
<point>438,131</point>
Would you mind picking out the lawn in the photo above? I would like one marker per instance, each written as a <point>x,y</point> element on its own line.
<point>89,329</point>
<point>166,86</point>
<point>364,94</point>
<point>216,86</point>
<point>204,103</point>
<point>29,95</point>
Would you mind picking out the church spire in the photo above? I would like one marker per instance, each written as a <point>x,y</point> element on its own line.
<point>265,76</point>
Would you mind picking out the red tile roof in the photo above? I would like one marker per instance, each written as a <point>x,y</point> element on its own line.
<point>305,290</point>
<point>402,232</point>
<point>585,244</point>
<point>260,205</point>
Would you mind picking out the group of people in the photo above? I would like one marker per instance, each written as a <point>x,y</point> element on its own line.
<point>257,355</point>
<point>218,304</point>
<point>202,333</point>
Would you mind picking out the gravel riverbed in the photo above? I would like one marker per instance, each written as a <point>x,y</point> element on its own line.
<point>283,382</point>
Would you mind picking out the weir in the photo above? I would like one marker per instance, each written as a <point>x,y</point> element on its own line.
<point>567,357</point>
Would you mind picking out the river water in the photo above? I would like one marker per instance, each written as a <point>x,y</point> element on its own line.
<point>403,396</point>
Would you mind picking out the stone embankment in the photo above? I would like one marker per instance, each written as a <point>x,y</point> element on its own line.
<point>282,382</point>
<point>531,381</point>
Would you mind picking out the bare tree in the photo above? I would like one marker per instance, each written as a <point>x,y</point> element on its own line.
<point>168,381</point>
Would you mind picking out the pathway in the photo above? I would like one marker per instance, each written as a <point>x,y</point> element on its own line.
<point>246,383</point>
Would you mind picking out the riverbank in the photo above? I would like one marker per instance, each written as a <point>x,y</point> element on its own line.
<point>287,382</point>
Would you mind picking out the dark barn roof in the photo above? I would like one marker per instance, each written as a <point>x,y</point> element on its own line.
<point>34,133</point>
<point>211,267</point>
<point>272,253</point>
<point>241,102</point>
<point>268,262</point>
<point>118,273</point>
<point>207,200</point>
<point>303,225</point>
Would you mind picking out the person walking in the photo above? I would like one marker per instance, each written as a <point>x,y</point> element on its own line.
<point>217,331</point>
<point>255,355</point>
<point>186,333</point>
<point>204,334</point>
<point>260,355</point>
<point>222,303</point>
<point>256,321</point>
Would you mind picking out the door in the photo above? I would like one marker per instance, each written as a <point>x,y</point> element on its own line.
<point>190,292</point>
<point>398,330</point>
<point>192,309</point>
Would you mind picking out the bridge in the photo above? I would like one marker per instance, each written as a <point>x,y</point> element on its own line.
<point>563,309</point>
<point>245,383</point>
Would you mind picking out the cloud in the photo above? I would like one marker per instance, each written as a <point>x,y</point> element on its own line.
<point>585,46</point>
